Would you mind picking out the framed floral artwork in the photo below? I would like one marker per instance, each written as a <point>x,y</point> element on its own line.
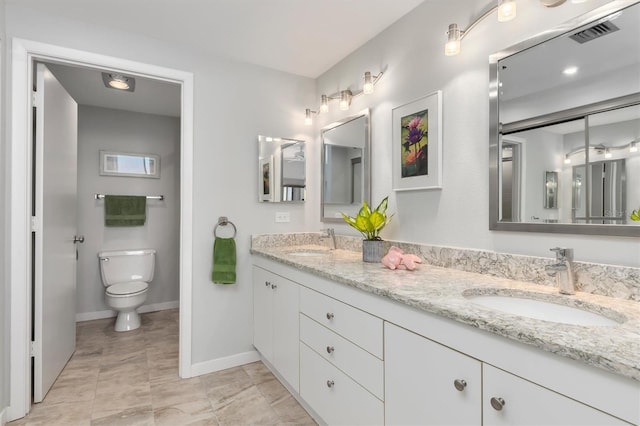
<point>265,169</point>
<point>417,144</point>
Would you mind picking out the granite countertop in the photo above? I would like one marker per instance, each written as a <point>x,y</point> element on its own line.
<point>442,291</point>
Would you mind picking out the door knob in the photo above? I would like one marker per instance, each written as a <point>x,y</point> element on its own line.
<point>78,239</point>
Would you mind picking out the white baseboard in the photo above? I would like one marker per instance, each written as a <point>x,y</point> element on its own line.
<point>218,364</point>
<point>89,316</point>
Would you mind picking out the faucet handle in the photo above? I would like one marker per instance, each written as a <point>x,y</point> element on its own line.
<point>563,253</point>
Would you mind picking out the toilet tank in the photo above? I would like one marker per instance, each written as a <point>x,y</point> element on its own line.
<point>126,265</point>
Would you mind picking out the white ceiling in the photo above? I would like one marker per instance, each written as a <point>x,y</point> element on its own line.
<point>303,37</point>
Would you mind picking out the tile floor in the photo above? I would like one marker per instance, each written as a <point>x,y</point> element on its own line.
<point>131,378</point>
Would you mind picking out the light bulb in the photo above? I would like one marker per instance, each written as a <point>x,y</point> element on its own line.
<point>308,121</point>
<point>452,47</point>
<point>367,89</point>
<point>324,106</point>
<point>607,153</point>
<point>567,160</point>
<point>118,82</point>
<point>506,10</point>
<point>570,70</point>
<point>633,147</point>
<point>345,100</point>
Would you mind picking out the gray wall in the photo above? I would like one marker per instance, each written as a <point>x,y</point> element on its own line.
<point>123,131</point>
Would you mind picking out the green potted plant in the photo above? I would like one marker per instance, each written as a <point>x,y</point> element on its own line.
<point>369,223</point>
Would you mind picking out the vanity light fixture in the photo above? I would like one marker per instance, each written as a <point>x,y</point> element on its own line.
<point>602,149</point>
<point>506,11</point>
<point>343,96</point>
<point>118,81</point>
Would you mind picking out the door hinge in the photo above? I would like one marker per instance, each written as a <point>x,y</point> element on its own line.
<point>34,224</point>
<point>34,99</point>
<point>32,349</point>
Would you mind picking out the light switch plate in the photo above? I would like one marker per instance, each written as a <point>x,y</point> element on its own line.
<point>282,217</point>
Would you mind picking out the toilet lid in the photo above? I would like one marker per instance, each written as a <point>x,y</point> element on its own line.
<point>129,287</point>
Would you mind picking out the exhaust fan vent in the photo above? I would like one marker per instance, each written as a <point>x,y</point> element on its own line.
<point>594,32</point>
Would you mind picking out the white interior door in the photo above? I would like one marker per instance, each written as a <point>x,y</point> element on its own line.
<point>55,216</point>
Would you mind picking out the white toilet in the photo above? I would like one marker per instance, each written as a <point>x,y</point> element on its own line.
<point>126,275</point>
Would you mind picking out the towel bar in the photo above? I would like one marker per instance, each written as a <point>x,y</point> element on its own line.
<point>149,197</point>
<point>223,221</point>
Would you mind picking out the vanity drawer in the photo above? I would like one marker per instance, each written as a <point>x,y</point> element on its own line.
<point>357,363</point>
<point>361,328</point>
<point>338,399</point>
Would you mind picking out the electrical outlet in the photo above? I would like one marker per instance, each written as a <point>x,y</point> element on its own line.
<point>282,217</point>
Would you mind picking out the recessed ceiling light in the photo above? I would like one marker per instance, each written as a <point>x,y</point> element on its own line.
<point>570,70</point>
<point>118,81</point>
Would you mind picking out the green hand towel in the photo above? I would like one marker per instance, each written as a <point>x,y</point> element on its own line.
<point>125,210</point>
<point>224,261</point>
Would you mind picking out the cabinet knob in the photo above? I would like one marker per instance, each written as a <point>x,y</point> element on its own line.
<point>459,384</point>
<point>329,315</point>
<point>330,383</point>
<point>267,283</point>
<point>273,286</point>
<point>330,349</point>
<point>497,403</point>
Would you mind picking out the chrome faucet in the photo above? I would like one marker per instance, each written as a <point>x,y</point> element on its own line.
<point>331,236</point>
<point>562,270</point>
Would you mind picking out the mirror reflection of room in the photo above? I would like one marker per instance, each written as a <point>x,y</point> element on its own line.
<point>344,178</point>
<point>281,170</point>
<point>597,163</point>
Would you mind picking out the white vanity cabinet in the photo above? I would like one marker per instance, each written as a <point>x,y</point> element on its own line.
<point>511,400</point>
<point>427,383</point>
<point>275,323</point>
<point>341,365</point>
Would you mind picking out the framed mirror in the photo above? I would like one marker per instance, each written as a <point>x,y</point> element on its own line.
<point>346,167</point>
<point>565,108</point>
<point>281,170</point>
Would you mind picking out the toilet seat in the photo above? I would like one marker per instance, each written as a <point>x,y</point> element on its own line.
<point>128,288</point>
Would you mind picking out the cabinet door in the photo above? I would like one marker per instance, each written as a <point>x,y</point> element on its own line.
<point>420,386</point>
<point>286,330</point>
<point>510,400</point>
<point>263,312</point>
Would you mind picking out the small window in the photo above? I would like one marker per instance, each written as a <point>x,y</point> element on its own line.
<point>130,165</point>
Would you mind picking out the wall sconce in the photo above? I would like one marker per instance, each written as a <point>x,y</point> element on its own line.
<point>343,96</point>
<point>506,12</point>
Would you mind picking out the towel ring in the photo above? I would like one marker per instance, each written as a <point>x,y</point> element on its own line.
<point>223,221</point>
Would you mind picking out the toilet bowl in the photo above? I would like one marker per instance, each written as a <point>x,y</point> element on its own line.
<point>126,274</point>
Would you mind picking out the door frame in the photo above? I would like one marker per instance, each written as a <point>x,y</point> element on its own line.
<point>24,53</point>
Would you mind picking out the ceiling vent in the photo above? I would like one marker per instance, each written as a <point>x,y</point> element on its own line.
<point>594,32</point>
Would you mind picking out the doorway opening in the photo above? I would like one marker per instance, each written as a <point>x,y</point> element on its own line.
<point>24,55</point>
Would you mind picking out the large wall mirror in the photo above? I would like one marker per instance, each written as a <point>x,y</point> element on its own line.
<point>565,127</point>
<point>281,170</point>
<point>346,169</point>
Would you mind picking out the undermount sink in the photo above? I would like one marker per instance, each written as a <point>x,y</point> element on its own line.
<point>545,310</point>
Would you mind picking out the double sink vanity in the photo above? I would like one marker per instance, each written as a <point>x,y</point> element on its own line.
<point>357,343</point>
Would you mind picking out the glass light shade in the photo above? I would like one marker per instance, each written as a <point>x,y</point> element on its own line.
<point>452,47</point>
<point>324,106</point>
<point>633,147</point>
<point>567,160</point>
<point>607,153</point>
<point>506,10</point>
<point>367,89</point>
<point>119,83</point>
<point>308,121</point>
<point>345,100</point>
